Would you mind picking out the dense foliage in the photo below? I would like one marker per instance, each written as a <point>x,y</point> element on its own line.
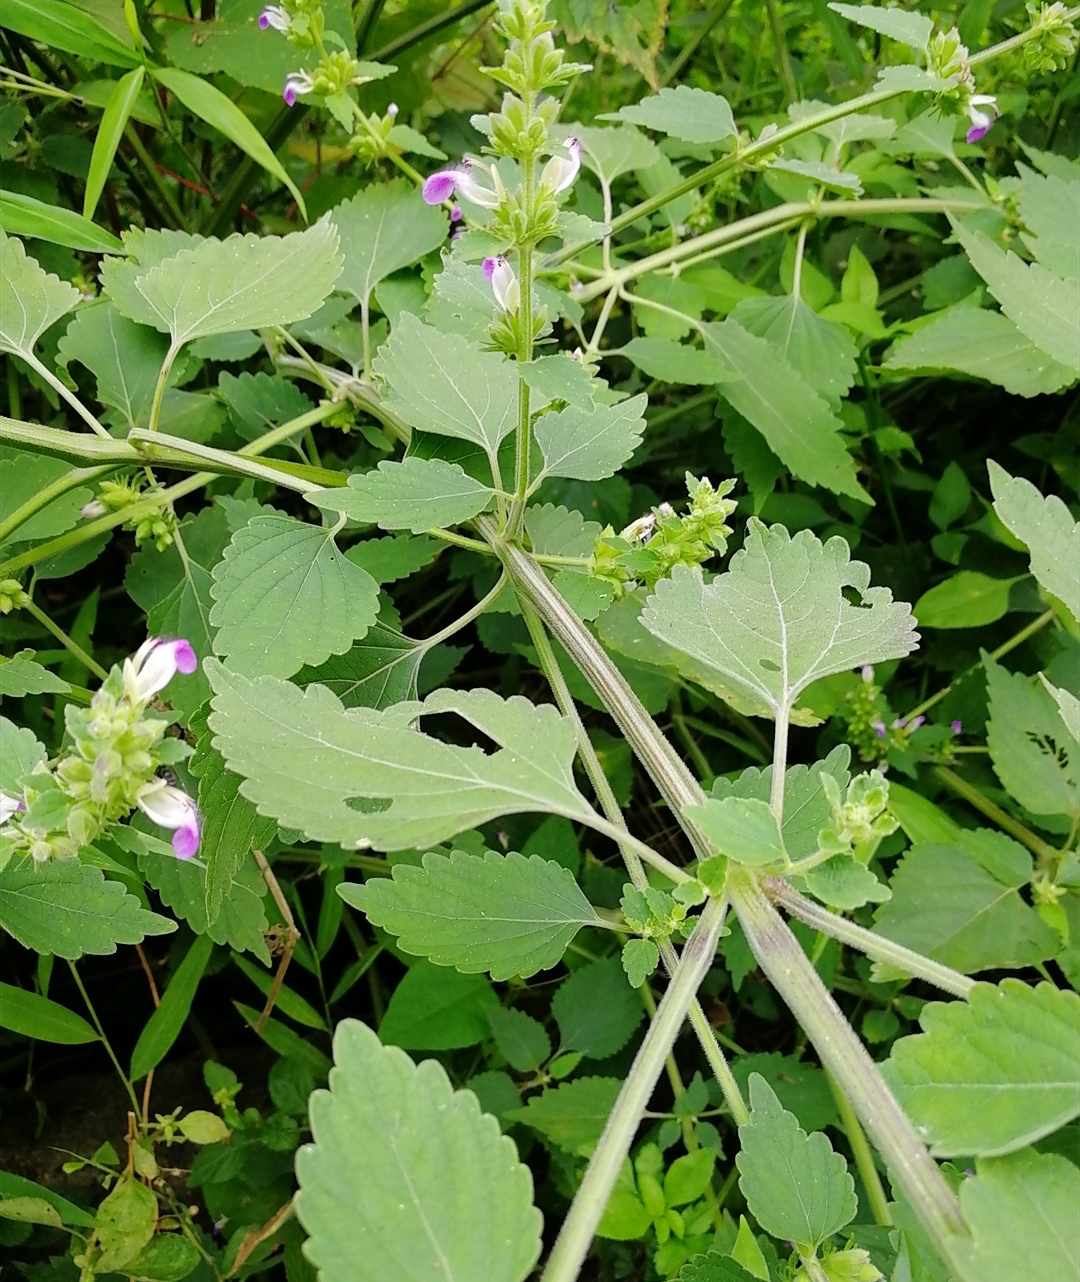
<point>541,663</point>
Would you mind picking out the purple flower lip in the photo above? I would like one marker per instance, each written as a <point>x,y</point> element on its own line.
<point>981,120</point>
<point>296,84</point>
<point>488,266</point>
<point>275,16</point>
<point>439,186</point>
<point>171,807</point>
<point>154,665</point>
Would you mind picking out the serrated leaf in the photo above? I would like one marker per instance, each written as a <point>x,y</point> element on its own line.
<point>395,557</point>
<point>990,1075</point>
<point>507,915</point>
<point>742,828</point>
<point>1067,704</point>
<point>596,1010</point>
<point>844,883</point>
<point>30,298</point>
<point>590,445</point>
<point>22,675</point>
<point>376,672</point>
<point>22,477</point>
<point>912,29</point>
<point>1021,1211</point>
<point>797,423</point>
<point>796,1186</point>
<point>801,1087</point>
<point>1034,755</point>
<point>435,790</point>
<point>818,173</point>
<point>124,358</point>
<point>416,494</point>
<point>258,402</point>
<point>1047,527</point>
<point>440,383</point>
<point>560,378</point>
<point>714,1267</point>
<point>521,1039</point>
<point>384,1208</point>
<point>983,344</point>
<point>778,618</point>
<point>383,228</point>
<point>572,1114</point>
<point>949,905</point>
<point>67,909</point>
<point>694,115</point>
<point>823,353</point>
<point>640,957</point>
<point>1050,208</point>
<point>559,531</point>
<point>674,362</point>
<point>437,1008</point>
<point>609,153</point>
<point>243,282</point>
<point>285,596</point>
<point>1044,307</point>
<point>966,599</point>
<point>20,752</point>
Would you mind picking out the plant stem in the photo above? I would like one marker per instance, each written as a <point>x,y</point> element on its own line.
<point>779,766</point>
<point>104,1039</point>
<point>694,43</point>
<point>66,393</point>
<point>864,1157</point>
<point>781,957</point>
<point>69,481</point>
<point>465,619</point>
<point>73,647</point>
<point>1045,853</point>
<point>866,941</point>
<point>787,73</point>
<point>1007,46</point>
<point>154,174</point>
<point>576,1235</point>
<point>159,388</point>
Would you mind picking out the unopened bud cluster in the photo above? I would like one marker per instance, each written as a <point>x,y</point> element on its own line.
<point>1055,46</point>
<point>860,818</point>
<point>115,749</point>
<point>649,548</point>
<point>947,57</point>
<point>157,527</point>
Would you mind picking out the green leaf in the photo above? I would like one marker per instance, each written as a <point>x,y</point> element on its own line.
<point>167,1257</point>
<point>1047,527</point>
<point>32,1015</point>
<point>983,344</point>
<point>967,599</point>
<point>435,790</point>
<point>801,1087</point>
<point>596,1010</point>
<point>395,557</point>
<point>244,282</point>
<point>572,1114</point>
<point>384,1208</point>
<point>12,1186</point>
<point>1021,1211</point>
<point>30,1210</point>
<point>65,26</point>
<point>441,383</point>
<point>377,672</point>
<point>990,1075</point>
<point>590,445</point>
<point>674,362</point>
<point>1044,307</point>
<point>124,358</point>
<point>436,1008</point>
<point>164,1025</point>
<point>694,115</point>
<point>965,911</point>
<point>687,1178</point>
<point>67,909</point>
<point>560,378</point>
<point>287,1001</point>
<point>1034,755</point>
<point>285,596</point>
<point>844,883</point>
<point>640,957</point>
<point>609,153</point>
<point>1068,705</point>
<point>21,675</point>
<point>912,29</point>
<point>796,422</point>
<point>125,1223</point>
<point>22,477</point>
<point>746,830</point>
<point>1050,209</point>
<point>222,114</point>
<point>796,1186</point>
<point>22,215</point>
<point>714,1267</point>
<point>30,299</point>
<point>507,915</point>
<point>819,174</point>
<point>778,618</point>
<point>416,494</point>
<point>20,752</point>
<point>258,402</point>
<point>111,129</point>
<point>521,1039</point>
<point>383,228</point>
<point>823,353</point>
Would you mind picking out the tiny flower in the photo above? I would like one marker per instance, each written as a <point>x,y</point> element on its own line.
<point>172,808</point>
<point>441,186</point>
<point>274,16</point>
<point>9,806</point>
<point>392,110</point>
<point>154,665</point>
<point>957,727</point>
<point>455,213</point>
<point>296,84</point>
<point>641,529</point>
<point>868,673</point>
<point>915,723</point>
<point>665,509</point>
<point>879,728</point>
<point>560,172</point>
<point>504,283</point>
<point>899,723</point>
<point>92,510</point>
<point>980,120</point>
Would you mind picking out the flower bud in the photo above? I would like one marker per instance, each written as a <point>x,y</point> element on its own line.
<point>560,171</point>
<point>92,510</point>
<point>504,283</point>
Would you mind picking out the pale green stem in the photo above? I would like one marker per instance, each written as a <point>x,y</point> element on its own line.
<point>579,1227</point>
<point>460,540</point>
<point>789,970</point>
<point>645,852</point>
<point>872,945</point>
<point>463,622</point>
<point>71,646</point>
<point>1007,46</point>
<point>796,275</point>
<point>104,1039</point>
<point>69,481</point>
<point>226,461</point>
<point>342,384</point>
<point>601,323</point>
<point>779,769</point>
<point>162,383</point>
<point>317,371</point>
<point>731,246</point>
<point>66,393</point>
<point>1046,854</point>
<point>523,441</point>
<point>864,1157</point>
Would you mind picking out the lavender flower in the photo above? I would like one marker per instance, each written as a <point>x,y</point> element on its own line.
<point>441,186</point>
<point>275,16</point>
<point>957,727</point>
<point>172,808</point>
<point>879,728</point>
<point>981,120</point>
<point>392,110</point>
<point>504,283</point>
<point>297,83</point>
<point>560,172</point>
<point>154,665</point>
<point>455,213</point>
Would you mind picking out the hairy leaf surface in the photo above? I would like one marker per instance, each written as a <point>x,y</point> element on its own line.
<point>1047,527</point>
<point>30,298</point>
<point>416,494</point>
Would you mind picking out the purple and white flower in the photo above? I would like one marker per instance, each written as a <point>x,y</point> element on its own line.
<point>171,807</point>
<point>297,83</point>
<point>154,665</point>
<point>504,284</point>
<point>9,806</point>
<point>560,171</point>
<point>981,120</point>
<point>440,186</point>
<point>957,727</point>
<point>275,16</point>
